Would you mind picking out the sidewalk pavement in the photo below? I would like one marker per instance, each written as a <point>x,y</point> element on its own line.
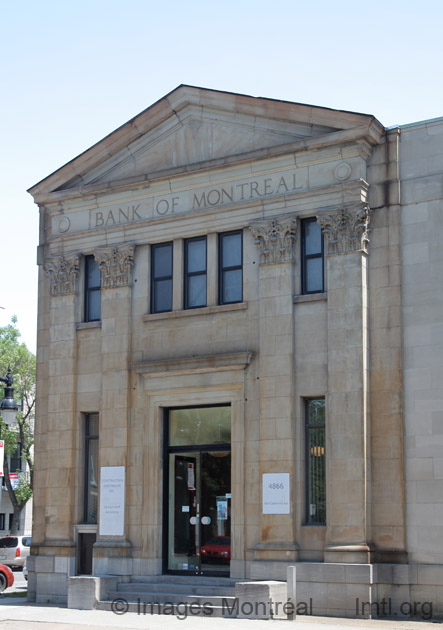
<point>18,614</point>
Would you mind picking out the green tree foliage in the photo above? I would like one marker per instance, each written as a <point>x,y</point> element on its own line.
<point>22,362</point>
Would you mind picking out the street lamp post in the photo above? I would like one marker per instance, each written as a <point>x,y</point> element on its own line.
<point>8,406</point>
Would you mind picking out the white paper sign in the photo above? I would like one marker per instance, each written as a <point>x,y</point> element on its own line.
<point>276,495</point>
<point>2,451</point>
<point>112,501</point>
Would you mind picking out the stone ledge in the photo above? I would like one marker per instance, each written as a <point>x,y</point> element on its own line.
<point>310,297</point>
<point>87,325</point>
<point>191,312</point>
<point>195,365</point>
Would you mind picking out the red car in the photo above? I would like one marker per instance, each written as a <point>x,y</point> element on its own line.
<point>6,577</point>
<point>218,549</point>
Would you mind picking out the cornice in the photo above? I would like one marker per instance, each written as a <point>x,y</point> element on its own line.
<point>365,136</point>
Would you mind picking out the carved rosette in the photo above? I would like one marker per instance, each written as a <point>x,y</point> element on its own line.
<point>275,239</point>
<point>63,272</point>
<point>346,229</point>
<point>115,264</point>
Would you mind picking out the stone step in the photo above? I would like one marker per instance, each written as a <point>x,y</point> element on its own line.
<point>181,610</point>
<point>185,579</point>
<point>143,588</point>
<point>175,598</point>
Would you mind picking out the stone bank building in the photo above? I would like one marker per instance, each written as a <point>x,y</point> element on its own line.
<point>240,353</point>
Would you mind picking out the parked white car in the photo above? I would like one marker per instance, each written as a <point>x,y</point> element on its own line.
<point>14,550</point>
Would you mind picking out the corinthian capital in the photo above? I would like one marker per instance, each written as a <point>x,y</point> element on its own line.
<point>115,264</point>
<point>275,239</point>
<point>346,229</point>
<point>63,272</point>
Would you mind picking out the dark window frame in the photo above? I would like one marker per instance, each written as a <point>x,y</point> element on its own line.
<point>309,428</point>
<point>187,274</point>
<point>222,269</point>
<point>2,520</point>
<point>13,468</point>
<point>154,279</point>
<point>305,257</point>
<point>88,437</point>
<point>90,289</point>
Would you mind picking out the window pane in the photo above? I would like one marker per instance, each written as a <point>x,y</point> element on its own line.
<point>92,424</point>
<point>231,250</point>
<point>317,476</point>
<point>232,286</point>
<point>163,296</point>
<point>163,261</point>
<point>93,305</point>
<point>312,237</point>
<point>206,425</point>
<point>196,252</point>
<point>93,273</point>
<point>196,291</point>
<point>316,412</point>
<point>314,274</point>
<point>92,480</point>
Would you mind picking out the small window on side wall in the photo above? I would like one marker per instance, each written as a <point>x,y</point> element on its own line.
<point>195,272</point>
<point>315,456</point>
<point>91,468</point>
<point>92,290</point>
<point>312,256</point>
<point>230,268</point>
<point>161,278</point>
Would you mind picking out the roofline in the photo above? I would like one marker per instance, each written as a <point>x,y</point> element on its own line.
<point>204,89</point>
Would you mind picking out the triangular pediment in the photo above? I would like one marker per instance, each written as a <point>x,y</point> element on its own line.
<point>193,127</point>
<point>198,137</point>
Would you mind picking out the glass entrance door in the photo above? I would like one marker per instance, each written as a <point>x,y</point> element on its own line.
<point>198,491</point>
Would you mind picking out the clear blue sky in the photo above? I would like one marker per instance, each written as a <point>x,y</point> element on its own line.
<point>71,72</point>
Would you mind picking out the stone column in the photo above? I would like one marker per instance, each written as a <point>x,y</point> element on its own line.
<point>58,427</point>
<point>111,555</point>
<point>275,239</point>
<point>348,527</point>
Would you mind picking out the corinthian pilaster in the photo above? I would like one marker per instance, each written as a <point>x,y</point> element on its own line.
<point>63,274</point>
<point>348,525</point>
<point>275,239</point>
<point>346,229</point>
<point>115,264</point>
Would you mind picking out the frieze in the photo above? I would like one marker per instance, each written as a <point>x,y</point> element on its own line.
<point>166,204</point>
<point>115,264</point>
<point>275,239</point>
<point>346,229</point>
<point>63,274</point>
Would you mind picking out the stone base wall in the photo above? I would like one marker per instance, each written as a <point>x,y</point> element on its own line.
<point>413,591</point>
<point>48,578</point>
<point>362,590</point>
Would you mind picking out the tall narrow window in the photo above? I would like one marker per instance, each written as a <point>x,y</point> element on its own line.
<point>315,461</point>
<point>2,520</point>
<point>91,468</point>
<point>230,268</point>
<point>312,256</point>
<point>195,272</point>
<point>92,290</point>
<point>161,278</point>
